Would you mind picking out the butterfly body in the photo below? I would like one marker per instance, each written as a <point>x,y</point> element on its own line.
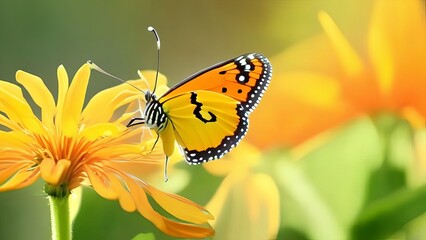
<point>155,118</point>
<point>207,113</point>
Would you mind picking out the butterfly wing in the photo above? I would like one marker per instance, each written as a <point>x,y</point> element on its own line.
<point>207,113</point>
<point>244,79</point>
<point>206,124</point>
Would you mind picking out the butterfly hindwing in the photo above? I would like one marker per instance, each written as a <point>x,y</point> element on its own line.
<point>206,124</point>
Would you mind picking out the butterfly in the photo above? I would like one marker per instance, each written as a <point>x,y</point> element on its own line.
<point>207,114</point>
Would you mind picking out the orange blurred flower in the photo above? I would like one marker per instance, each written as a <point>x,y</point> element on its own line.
<point>330,79</point>
<point>71,146</point>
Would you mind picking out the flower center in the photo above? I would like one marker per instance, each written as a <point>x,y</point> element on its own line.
<point>60,158</point>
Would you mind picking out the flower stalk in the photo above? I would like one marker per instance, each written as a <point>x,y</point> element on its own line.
<point>59,212</point>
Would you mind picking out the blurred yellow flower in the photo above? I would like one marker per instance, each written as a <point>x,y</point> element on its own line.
<point>71,146</point>
<point>247,204</point>
<point>338,76</point>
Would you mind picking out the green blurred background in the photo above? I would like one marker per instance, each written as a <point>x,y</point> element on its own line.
<point>38,36</point>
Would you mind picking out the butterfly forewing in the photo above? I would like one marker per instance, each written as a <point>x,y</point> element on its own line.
<point>206,124</point>
<point>244,79</point>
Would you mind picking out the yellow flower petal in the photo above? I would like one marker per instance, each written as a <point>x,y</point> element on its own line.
<point>382,55</point>
<point>119,150</point>
<point>101,130</point>
<point>53,172</point>
<point>101,184</point>
<point>14,105</point>
<point>317,90</point>
<point>74,100</point>
<point>246,201</point>
<point>126,201</point>
<point>15,140</point>
<point>172,228</point>
<point>102,106</point>
<point>125,118</point>
<point>8,171</point>
<point>20,180</point>
<point>63,83</point>
<point>242,157</point>
<point>350,60</point>
<point>149,77</point>
<point>6,122</point>
<point>179,206</point>
<point>41,95</point>
<point>397,49</point>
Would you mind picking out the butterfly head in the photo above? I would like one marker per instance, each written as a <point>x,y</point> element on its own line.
<point>149,96</point>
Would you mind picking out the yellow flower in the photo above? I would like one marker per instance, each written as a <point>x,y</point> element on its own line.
<point>73,146</point>
<point>340,75</point>
<point>247,203</point>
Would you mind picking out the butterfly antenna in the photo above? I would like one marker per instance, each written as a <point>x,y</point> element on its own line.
<point>97,68</point>
<point>151,29</point>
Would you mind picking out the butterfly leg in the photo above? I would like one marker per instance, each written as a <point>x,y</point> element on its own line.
<point>136,121</point>
<point>155,143</point>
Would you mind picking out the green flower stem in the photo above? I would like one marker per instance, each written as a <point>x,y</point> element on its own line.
<point>60,218</point>
<point>59,212</point>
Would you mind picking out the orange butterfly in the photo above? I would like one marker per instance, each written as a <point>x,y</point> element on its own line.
<point>207,113</point>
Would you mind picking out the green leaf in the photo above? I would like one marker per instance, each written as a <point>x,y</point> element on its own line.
<point>144,236</point>
<point>324,193</point>
<point>302,207</point>
<point>341,169</point>
<point>387,215</point>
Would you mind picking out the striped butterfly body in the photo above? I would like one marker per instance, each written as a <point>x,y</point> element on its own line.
<point>207,113</point>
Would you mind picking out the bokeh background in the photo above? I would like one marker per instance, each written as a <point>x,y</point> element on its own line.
<point>336,186</point>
